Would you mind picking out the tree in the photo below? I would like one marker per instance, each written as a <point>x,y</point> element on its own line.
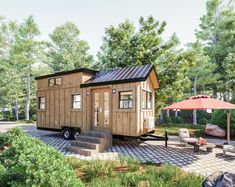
<point>11,89</point>
<point>66,50</point>
<point>202,75</point>
<point>28,51</point>
<point>124,45</point>
<point>217,34</point>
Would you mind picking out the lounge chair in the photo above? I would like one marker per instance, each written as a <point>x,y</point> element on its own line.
<point>185,136</point>
<point>228,148</point>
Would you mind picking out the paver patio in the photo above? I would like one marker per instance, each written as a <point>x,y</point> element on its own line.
<point>149,151</point>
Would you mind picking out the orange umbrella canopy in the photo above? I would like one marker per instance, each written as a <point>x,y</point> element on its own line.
<point>200,102</point>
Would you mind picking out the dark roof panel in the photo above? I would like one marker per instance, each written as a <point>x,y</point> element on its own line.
<point>120,75</point>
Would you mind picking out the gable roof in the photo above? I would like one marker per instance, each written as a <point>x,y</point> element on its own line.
<point>78,70</point>
<point>122,75</point>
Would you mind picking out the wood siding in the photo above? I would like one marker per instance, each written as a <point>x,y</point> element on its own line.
<point>59,113</point>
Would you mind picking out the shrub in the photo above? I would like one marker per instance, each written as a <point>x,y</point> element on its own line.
<point>33,117</point>
<point>178,120</point>
<point>29,162</point>
<point>168,120</point>
<point>219,117</point>
<point>202,121</point>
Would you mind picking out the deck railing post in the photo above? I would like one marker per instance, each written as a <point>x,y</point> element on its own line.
<point>166,138</point>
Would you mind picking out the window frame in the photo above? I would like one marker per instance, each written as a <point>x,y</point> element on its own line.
<point>54,82</point>
<point>119,100</point>
<point>148,95</point>
<point>72,101</point>
<point>39,103</point>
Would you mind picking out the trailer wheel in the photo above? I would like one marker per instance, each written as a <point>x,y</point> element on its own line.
<point>67,133</point>
<point>76,133</point>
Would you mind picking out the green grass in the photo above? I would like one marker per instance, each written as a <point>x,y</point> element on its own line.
<point>173,129</point>
<point>127,172</point>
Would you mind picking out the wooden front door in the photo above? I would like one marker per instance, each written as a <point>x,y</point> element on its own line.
<point>101,109</point>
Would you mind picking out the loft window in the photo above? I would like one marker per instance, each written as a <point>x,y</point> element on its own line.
<point>42,103</point>
<point>55,81</point>
<point>125,99</point>
<point>146,100</point>
<point>76,101</point>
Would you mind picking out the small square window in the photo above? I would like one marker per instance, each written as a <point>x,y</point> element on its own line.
<point>58,81</point>
<point>51,82</point>
<point>76,101</point>
<point>55,81</point>
<point>42,103</point>
<point>125,99</point>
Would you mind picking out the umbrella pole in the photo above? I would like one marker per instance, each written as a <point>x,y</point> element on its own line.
<point>228,126</point>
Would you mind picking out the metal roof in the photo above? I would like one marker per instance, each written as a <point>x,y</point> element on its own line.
<point>85,70</point>
<point>120,75</point>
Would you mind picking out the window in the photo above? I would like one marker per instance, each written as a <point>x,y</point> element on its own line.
<point>76,101</point>
<point>58,81</point>
<point>51,82</point>
<point>146,100</point>
<point>125,99</point>
<point>55,81</point>
<point>42,103</point>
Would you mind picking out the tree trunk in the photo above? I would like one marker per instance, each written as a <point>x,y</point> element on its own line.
<point>168,113</point>
<point>16,109</point>
<point>195,93</point>
<point>28,92</point>
<point>161,117</point>
<point>176,113</point>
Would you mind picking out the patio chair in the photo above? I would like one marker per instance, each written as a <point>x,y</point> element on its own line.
<point>185,136</point>
<point>228,148</point>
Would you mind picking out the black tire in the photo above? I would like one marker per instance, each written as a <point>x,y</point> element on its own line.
<point>76,133</point>
<point>67,133</point>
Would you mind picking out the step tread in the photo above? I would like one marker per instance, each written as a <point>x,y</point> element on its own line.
<point>81,148</point>
<point>91,145</point>
<point>89,139</point>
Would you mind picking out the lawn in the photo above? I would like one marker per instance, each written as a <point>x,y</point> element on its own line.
<point>173,129</point>
<point>27,161</point>
<point>128,172</point>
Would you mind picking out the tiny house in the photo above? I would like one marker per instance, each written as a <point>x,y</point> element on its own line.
<point>119,100</point>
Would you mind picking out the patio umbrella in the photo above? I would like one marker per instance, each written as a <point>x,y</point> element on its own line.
<point>203,102</point>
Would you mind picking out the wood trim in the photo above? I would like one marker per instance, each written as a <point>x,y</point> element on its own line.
<point>133,99</point>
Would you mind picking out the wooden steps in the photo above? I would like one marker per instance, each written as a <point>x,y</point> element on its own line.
<point>90,142</point>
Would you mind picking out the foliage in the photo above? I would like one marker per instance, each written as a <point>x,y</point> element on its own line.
<point>217,33</point>
<point>173,129</point>
<point>168,120</point>
<point>124,45</point>
<point>219,117</point>
<point>21,59</point>
<point>118,174</point>
<point>177,119</point>
<point>202,121</point>
<point>66,50</point>
<point>29,162</point>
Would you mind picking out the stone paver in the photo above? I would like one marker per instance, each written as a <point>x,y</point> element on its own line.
<point>149,151</point>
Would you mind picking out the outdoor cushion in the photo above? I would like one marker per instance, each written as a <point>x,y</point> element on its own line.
<point>183,133</point>
<point>189,139</point>
<point>229,148</point>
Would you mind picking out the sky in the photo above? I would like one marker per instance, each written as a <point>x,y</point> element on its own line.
<point>93,16</point>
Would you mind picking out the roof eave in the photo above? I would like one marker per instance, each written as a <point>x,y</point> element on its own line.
<point>83,70</point>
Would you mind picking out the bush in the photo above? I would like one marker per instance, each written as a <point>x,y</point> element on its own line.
<point>219,117</point>
<point>29,162</point>
<point>202,121</point>
<point>33,117</point>
<point>168,120</point>
<point>178,120</point>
